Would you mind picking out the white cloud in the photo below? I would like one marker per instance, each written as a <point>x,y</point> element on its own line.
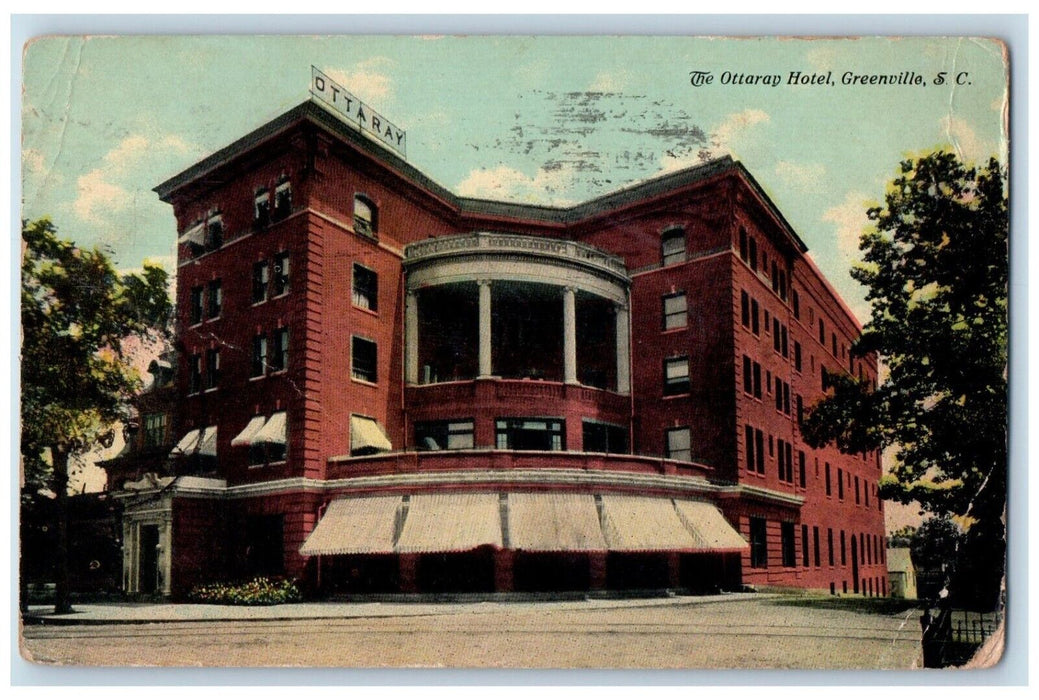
<point>365,79</point>
<point>803,177</point>
<point>849,220</point>
<point>96,197</point>
<point>505,183</point>
<point>965,141</point>
<point>736,126</point>
<point>32,161</point>
<point>609,82</point>
<point>108,189</point>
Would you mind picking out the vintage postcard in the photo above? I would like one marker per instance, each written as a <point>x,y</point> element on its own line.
<point>514,351</point>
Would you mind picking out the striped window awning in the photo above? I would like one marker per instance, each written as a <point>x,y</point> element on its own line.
<point>367,436</point>
<point>245,438</point>
<point>643,524</point>
<point>554,522</point>
<point>709,527</point>
<point>451,522</point>
<point>531,522</point>
<point>355,526</point>
<point>196,234</point>
<point>273,431</point>
<point>197,442</point>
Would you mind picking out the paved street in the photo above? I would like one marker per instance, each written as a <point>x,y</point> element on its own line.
<point>688,632</point>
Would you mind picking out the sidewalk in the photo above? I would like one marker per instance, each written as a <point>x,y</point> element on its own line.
<point>144,613</point>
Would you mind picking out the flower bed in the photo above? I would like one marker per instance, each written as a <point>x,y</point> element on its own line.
<point>259,591</point>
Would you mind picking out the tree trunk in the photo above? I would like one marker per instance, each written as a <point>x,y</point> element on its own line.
<point>62,602</point>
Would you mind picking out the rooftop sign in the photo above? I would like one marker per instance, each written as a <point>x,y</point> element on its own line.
<point>367,119</point>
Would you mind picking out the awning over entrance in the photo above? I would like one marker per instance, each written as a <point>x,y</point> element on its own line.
<point>196,442</point>
<point>367,436</point>
<point>643,524</point>
<point>244,438</point>
<point>451,523</point>
<point>709,527</point>
<point>355,526</point>
<point>273,431</point>
<point>554,522</point>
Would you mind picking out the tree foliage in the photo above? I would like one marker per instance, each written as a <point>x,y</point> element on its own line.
<point>935,269</point>
<point>77,312</point>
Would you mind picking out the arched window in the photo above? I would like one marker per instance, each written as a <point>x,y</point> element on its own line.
<point>672,246</point>
<point>366,216</point>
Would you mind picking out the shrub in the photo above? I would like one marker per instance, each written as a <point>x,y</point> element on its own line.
<point>259,591</point>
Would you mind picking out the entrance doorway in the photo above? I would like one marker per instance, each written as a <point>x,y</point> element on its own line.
<point>148,560</point>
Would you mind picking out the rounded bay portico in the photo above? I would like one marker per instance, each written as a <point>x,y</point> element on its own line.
<point>491,318</point>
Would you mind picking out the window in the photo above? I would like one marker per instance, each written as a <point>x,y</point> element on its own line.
<point>261,281</point>
<point>679,444</point>
<point>365,216</point>
<point>844,558</point>
<point>743,244</point>
<point>833,344</point>
<point>782,461</point>
<point>754,316</point>
<point>815,541</point>
<point>804,546</point>
<point>783,335</point>
<point>829,540</point>
<point>604,437</point>
<point>194,374</point>
<point>758,543</point>
<point>261,209</point>
<point>748,378</point>
<point>259,356</point>
<point>212,368</point>
<point>676,376</point>
<point>445,435</point>
<point>216,299</point>
<point>749,447</point>
<point>364,354</point>
<point>546,434</point>
<point>280,351</point>
<point>759,445</point>
<point>196,306</point>
<point>214,232</point>
<point>757,380</point>
<point>154,430</point>
<point>797,305</point>
<point>840,484</point>
<point>281,274</point>
<point>858,499</point>
<point>675,311</point>
<point>789,546</point>
<point>672,246</point>
<point>366,288</point>
<point>801,468</point>
<point>797,356</point>
<point>753,254</point>
<point>829,490</point>
<point>822,333</point>
<point>282,200</point>
<point>745,309</point>
<point>776,340</point>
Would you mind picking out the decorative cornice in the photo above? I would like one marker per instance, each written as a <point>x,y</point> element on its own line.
<point>518,478</point>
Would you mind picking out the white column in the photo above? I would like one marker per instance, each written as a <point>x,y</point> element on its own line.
<point>569,336</point>
<point>411,338</point>
<point>623,351</point>
<point>485,328</point>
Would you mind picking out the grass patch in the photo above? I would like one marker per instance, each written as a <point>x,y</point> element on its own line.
<point>866,606</point>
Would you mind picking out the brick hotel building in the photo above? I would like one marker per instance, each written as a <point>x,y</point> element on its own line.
<point>382,386</point>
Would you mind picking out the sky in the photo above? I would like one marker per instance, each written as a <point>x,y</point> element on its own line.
<point>549,120</point>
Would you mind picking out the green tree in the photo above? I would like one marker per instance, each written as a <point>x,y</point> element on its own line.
<point>935,269</point>
<point>77,312</point>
